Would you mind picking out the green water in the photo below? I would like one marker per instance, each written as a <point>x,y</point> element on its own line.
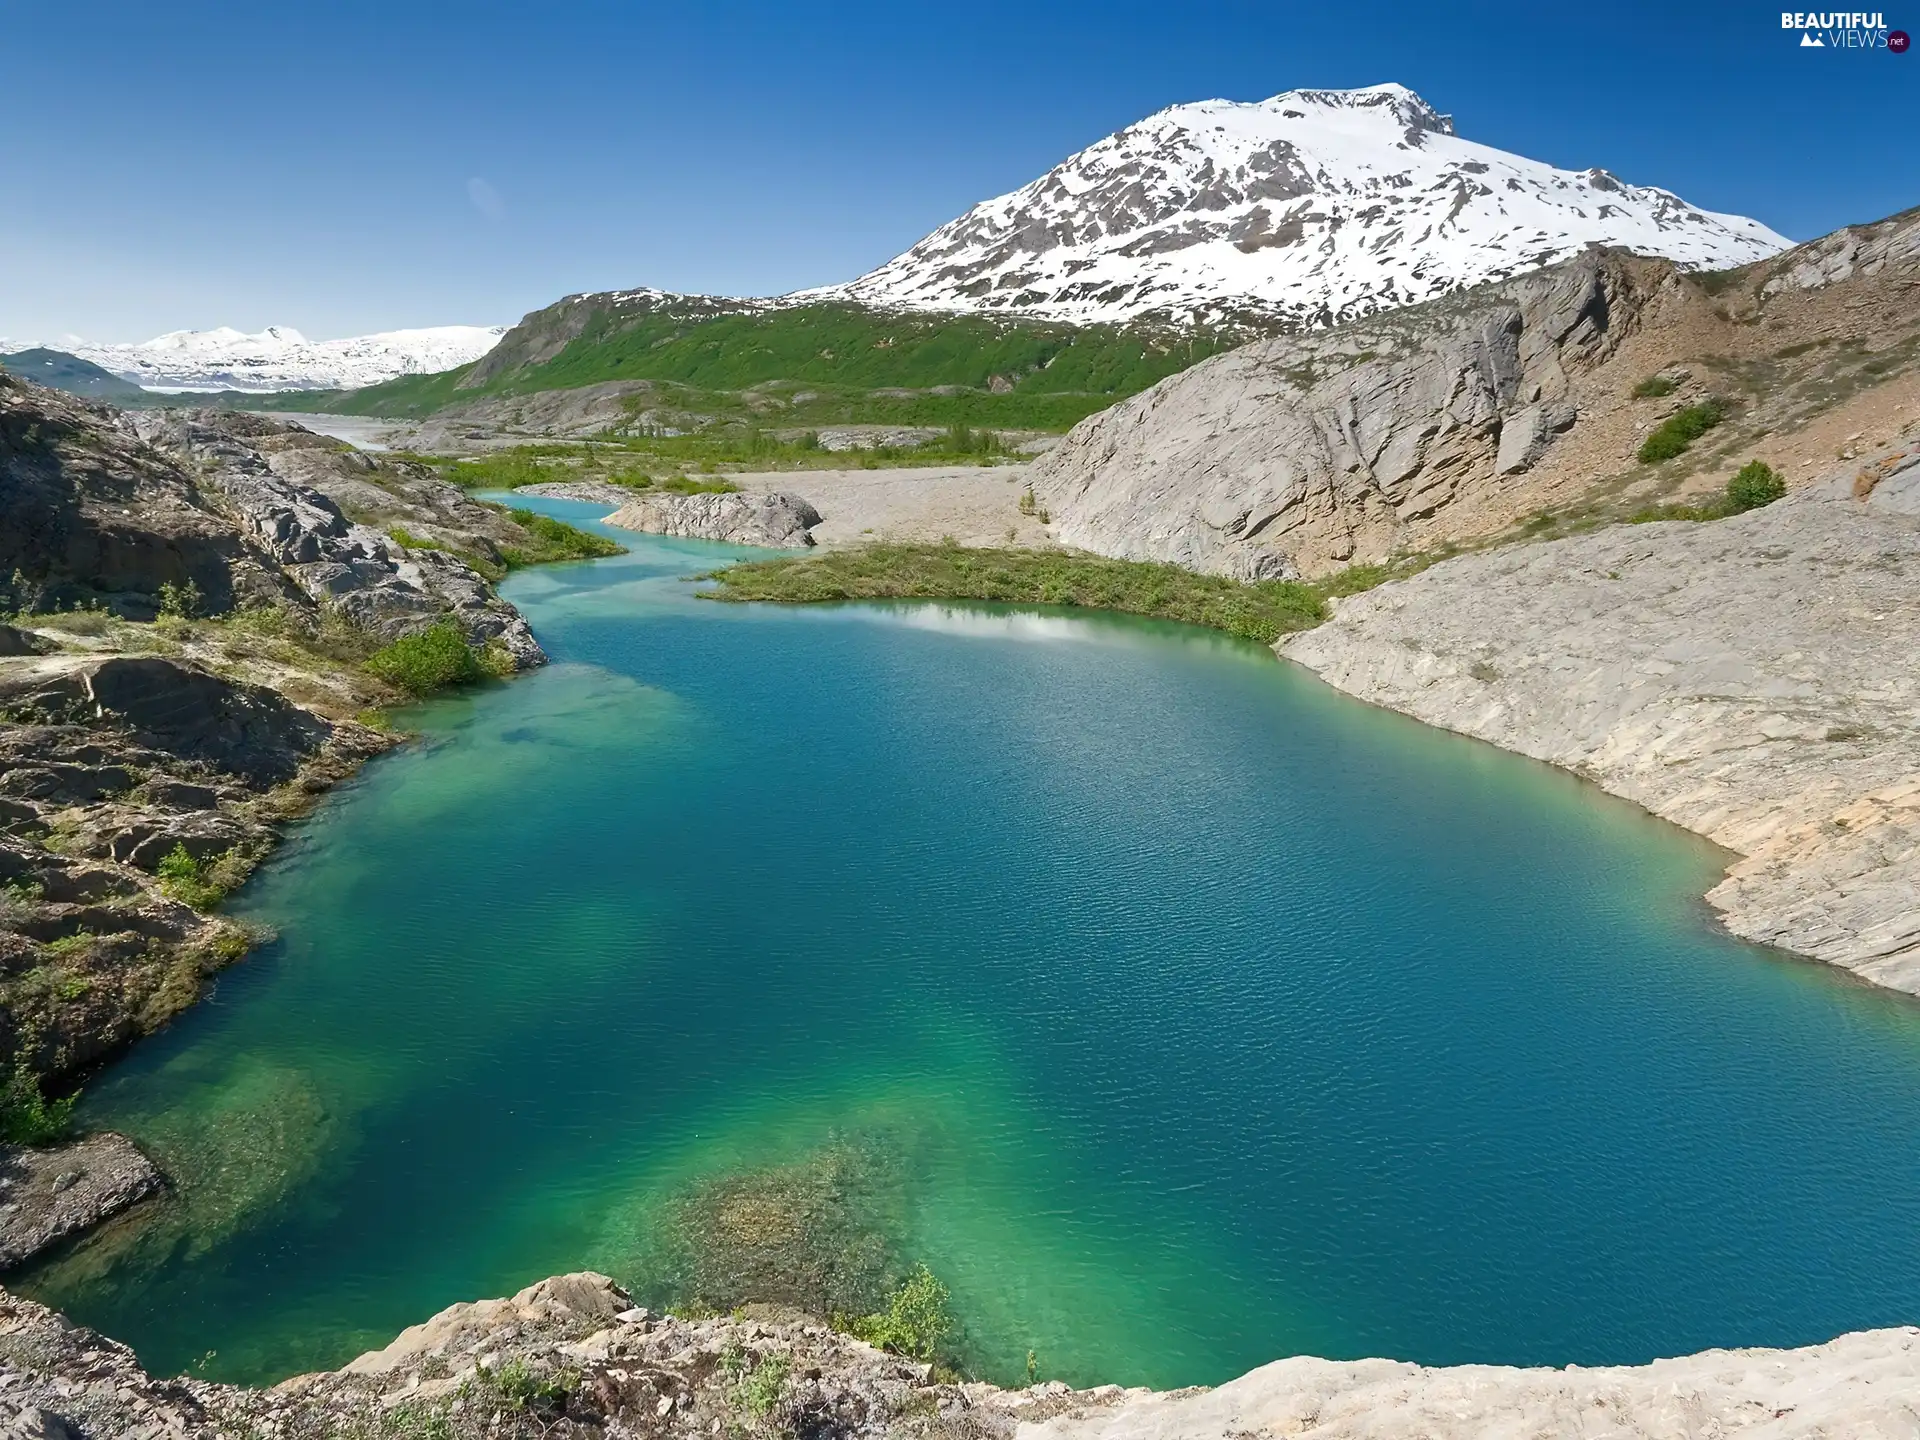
<point>1177,1011</point>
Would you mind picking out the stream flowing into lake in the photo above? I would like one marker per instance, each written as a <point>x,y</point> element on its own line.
<point>1177,1011</point>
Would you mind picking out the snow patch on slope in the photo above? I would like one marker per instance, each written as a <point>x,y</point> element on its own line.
<point>1313,207</point>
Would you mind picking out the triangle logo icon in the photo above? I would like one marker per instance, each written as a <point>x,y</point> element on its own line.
<point>1808,41</point>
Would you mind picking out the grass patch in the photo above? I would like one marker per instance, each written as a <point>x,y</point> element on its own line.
<point>1655,386</point>
<point>1262,610</point>
<point>1754,485</point>
<point>437,658</point>
<point>514,1388</point>
<point>202,884</point>
<point>1679,430</point>
<point>554,540</point>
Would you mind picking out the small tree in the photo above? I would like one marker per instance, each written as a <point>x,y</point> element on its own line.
<point>1756,484</point>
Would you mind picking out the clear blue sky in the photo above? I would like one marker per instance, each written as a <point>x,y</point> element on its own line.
<point>191,165</point>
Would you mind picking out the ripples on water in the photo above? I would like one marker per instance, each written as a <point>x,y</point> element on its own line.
<point>1177,1011</point>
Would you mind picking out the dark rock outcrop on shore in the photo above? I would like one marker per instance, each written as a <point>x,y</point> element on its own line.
<point>47,1196</point>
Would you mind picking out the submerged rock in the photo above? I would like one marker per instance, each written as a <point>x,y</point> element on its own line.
<point>51,1194</point>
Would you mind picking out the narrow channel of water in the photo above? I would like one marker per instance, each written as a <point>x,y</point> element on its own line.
<point>1179,1012</point>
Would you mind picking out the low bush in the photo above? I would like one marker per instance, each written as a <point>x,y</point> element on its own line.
<point>1755,484</point>
<point>202,884</point>
<point>1654,386</point>
<point>180,602</point>
<point>27,1117</point>
<point>436,658</point>
<point>514,1387</point>
<point>1679,430</point>
<point>915,1321</point>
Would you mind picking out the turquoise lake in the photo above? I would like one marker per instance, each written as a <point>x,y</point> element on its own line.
<point>1177,1011</point>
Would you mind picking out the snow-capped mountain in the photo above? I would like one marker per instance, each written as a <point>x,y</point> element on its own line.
<point>1312,207</point>
<point>279,358</point>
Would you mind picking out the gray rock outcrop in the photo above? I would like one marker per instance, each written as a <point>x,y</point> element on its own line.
<point>48,1195</point>
<point>781,520</point>
<point>359,572</point>
<point>1751,679</point>
<point>618,1370</point>
<point>1299,454</point>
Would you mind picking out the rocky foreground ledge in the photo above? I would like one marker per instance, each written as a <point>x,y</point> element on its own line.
<point>1753,679</point>
<point>572,1357</point>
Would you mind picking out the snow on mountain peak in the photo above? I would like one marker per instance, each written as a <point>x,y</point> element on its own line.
<point>1313,206</point>
<point>281,358</point>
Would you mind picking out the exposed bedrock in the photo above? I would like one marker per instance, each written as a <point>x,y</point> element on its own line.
<point>1295,455</point>
<point>1752,679</point>
<point>598,1366</point>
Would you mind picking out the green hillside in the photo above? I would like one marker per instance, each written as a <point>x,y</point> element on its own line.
<point>815,364</point>
<point>58,370</point>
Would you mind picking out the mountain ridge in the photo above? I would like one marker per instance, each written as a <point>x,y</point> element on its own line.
<point>1299,208</point>
<point>281,358</point>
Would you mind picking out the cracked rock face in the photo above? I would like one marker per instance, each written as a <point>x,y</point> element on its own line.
<point>1752,679</point>
<point>356,570</point>
<point>780,521</point>
<point>1300,454</point>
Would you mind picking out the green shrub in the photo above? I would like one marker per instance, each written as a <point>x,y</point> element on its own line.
<point>27,1117</point>
<point>432,659</point>
<point>915,1321</point>
<point>757,1388</point>
<point>186,880</point>
<point>1654,386</point>
<point>1755,484</point>
<point>687,485</point>
<point>180,602</point>
<point>1679,430</point>
<point>515,1387</point>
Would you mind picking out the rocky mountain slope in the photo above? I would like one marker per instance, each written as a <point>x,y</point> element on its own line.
<point>1447,422</point>
<point>1313,207</point>
<point>571,1358</point>
<point>1750,678</point>
<point>281,358</point>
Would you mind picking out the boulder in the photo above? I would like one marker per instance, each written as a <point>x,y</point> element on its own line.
<point>781,521</point>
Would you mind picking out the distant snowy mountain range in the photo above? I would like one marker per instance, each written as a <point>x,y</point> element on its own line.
<point>279,358</point>
<point>1312,207</point>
